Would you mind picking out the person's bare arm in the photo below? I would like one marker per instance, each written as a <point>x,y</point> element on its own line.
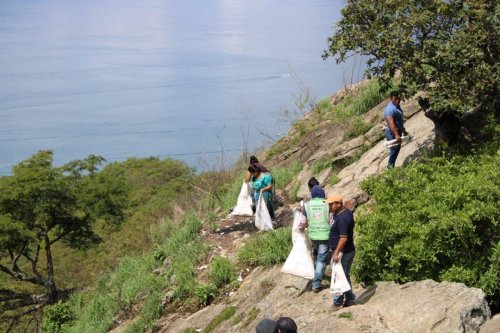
<point>248,176</point>
<point>339,248</point>
<point>267,188</point>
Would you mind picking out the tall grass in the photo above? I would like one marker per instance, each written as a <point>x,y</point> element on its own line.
<point>150,312</point>
<point>266,249</point>
<point>358,103</point>
<point>133,282</point>
<point>94,311</point>
<point>221,272</point>
<point>346,112</point>
<point>284,175</point>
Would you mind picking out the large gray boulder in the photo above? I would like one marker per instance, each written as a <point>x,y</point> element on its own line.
<point>424,306</point>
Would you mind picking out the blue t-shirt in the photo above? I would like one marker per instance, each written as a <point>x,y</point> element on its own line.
<point>343,225</point>
<point>396,113</point>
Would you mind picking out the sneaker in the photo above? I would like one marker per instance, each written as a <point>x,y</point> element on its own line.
<point>349,302</point>
<point>336,306</point>
<point>317,290</point>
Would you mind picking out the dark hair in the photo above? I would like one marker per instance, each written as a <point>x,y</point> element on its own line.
<point>287,325</point>
<point>394,93</point>
<point>253,168</point>
<point>312,182</point>
<point>253,159</point>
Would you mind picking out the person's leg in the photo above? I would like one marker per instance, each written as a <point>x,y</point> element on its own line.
<point>393,156</point>
<point>270,207</point>
<point>346,261</point>
<point>255,199</point>
<point>319,270</point>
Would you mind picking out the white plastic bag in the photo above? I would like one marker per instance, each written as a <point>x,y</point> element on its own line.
<point>262,218</point>
<point>339,284</point>
<point>394,143</point>
<point>244,204</point>
<point>299,261</point>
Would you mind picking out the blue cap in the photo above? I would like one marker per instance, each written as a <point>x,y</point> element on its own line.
<point>317,192</point>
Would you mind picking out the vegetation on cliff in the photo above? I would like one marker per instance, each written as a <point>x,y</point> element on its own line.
<point>434,219</point>
<point>449,49</point>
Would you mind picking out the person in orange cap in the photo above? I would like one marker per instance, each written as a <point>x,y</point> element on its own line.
<point>342,241</point>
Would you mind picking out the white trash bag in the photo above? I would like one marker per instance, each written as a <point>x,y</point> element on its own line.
<point>262,218</point>
<point>244,204</point>
<point>339,284</point>
<point>299,261</point>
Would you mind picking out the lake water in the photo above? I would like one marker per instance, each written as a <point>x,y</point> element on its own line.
<point>178,78</point>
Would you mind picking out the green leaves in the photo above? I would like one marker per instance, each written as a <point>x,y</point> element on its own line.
<point>447,48</point>
<point>41,204</point>
<point>437,219</point>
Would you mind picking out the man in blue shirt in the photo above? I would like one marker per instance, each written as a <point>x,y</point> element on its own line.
<point>394,117</point>
<point>341,241</point>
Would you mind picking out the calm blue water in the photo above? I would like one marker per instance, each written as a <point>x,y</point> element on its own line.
<point>179,78</point>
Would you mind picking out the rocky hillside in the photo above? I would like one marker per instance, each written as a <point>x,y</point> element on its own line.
<point>340,153</point>
<point>424,306</point>
<point>340,162</point>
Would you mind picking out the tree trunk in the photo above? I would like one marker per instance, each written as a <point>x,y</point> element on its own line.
<point>448,126</point>
<point>50,283</point>
<point>453,127</point>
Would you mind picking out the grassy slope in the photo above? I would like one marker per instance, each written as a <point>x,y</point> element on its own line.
<point>180,285</point>
<point>123,290</point>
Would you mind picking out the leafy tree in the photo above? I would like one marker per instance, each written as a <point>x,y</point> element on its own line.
<point>447,48</point>
<point>40,205</point>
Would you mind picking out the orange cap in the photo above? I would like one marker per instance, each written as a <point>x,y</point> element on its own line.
<point>334,197</point>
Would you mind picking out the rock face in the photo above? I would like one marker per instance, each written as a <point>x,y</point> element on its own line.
<point>367,161</point>
<point>424,306</point>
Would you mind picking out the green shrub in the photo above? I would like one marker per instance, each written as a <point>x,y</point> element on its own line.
<point>205,293</point>
<point>55,316</point>
<point>267,248</point>
<point>437,219</point>
<point>221,272</point>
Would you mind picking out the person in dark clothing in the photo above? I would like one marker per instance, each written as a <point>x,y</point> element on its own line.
<point>282,325</point>
<point>286,325</point>
<point>341,242</point>
<point>267,326</point>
